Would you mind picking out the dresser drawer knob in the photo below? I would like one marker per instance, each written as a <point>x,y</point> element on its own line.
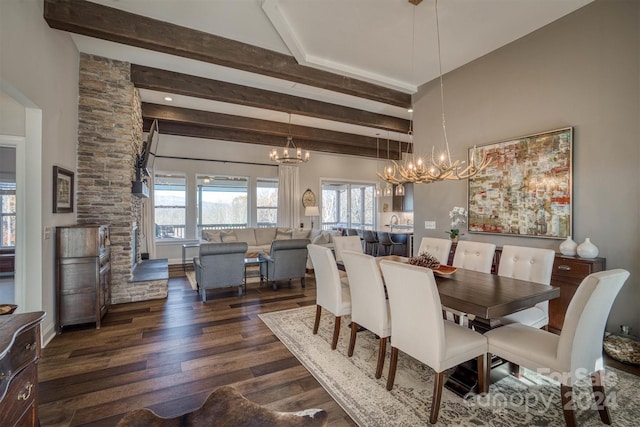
<point>564,268</point>
<point>5,375</point>
<point>30,347</point>
<point>27,394</point>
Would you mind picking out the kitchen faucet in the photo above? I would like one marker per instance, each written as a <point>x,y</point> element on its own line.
<point>392,222</point>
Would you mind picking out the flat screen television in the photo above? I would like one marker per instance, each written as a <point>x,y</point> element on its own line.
<point>144,161</point>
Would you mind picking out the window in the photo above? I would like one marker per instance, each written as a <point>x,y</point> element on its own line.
<point>222,202</point>
<point>267,202</point>
<point>349,205</point>
<point>8,214</point>
<point>170,197</point>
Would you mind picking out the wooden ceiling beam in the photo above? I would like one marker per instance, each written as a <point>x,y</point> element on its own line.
<point>166,113</point>
<point>248,137</point>
<point>199,87</point>
<point>107,23</point>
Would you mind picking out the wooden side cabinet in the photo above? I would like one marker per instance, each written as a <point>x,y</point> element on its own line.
<point>19,354</point>
<point>83,285</point>
<point>567,274</point>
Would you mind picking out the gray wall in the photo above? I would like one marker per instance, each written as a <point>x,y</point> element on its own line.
<point>581,71</point>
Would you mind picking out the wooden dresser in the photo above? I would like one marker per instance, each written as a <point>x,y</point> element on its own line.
<point>567,274</point>
<point>19,354</point>
<point>83,285</point>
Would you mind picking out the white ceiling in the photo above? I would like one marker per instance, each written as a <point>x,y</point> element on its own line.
<point>371,40</point>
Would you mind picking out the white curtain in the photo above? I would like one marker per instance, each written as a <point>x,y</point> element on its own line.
<point>288,196</point>
<point>148,226</point>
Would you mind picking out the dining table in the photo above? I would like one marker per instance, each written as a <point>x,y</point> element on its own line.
<point>488,297</point>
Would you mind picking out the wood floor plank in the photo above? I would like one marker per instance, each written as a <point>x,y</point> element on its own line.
<point>168,355</point>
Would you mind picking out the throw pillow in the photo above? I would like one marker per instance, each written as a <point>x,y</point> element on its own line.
<point>283,234</point>
<point>213,236</point>
<point>301,234</point>
<point>229,236</point>
<point>321,239</point>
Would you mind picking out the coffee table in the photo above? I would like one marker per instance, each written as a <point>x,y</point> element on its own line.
<point>252,262</point>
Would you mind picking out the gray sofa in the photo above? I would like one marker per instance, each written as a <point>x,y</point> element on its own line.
<point>220,265</point>
<point>287,259</point>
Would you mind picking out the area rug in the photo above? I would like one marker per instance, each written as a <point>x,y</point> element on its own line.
<point>530,400</point>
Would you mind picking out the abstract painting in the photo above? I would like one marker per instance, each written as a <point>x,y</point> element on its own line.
<point>526,190</point>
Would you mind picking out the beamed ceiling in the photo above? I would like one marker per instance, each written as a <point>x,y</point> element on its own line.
<point>240,70</point>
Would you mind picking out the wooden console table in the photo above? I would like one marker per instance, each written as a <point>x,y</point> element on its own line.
<point>567,274</point>
<point>19,354</point>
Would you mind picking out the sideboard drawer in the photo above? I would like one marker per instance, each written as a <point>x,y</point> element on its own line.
<point>570,268</point>
<point>23,350</point>
<point>21,393</point>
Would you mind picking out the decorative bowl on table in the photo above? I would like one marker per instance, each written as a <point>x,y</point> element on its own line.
<point>7,308</point>
<point>444,270</point>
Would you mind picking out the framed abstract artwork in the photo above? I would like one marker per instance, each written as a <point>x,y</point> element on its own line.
<point>62,190</point>
<point>527,188</point>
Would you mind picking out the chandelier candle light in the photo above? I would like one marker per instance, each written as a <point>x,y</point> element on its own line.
<point>442,167</point>
<point>285,158</point>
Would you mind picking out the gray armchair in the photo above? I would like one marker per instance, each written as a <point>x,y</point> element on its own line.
<point>287,260</point>
<point>220,265</point>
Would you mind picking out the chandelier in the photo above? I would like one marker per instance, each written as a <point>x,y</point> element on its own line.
<point>440,167</point>
<point>285,158</point>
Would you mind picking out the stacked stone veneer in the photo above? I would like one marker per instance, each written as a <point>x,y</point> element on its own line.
<point>109,139</point>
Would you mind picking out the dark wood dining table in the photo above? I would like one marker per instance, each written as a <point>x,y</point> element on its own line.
<point>488,297</point>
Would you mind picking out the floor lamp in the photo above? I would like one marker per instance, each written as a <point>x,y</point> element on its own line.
<point>311,211</point>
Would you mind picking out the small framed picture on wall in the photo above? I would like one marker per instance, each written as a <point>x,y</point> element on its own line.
<point>63,192</point>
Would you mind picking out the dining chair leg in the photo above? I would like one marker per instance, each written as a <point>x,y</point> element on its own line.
<point>393,364</point>
<point>336,333</point>
<point>483,378</point>
<point>316,324</point>
<point>438,382</point>
<point>597,381</point>
<point>352,340</point>
<point>566,393</point>
<point>382,351</point>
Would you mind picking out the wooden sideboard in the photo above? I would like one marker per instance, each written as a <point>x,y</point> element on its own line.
<point>567,274</point>
<point>19,354</point>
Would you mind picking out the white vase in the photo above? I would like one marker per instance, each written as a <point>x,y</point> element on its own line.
<point>568,247</point>
<point>587,249</point>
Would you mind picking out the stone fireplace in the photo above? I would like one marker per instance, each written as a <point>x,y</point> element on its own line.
<point>109,139</point>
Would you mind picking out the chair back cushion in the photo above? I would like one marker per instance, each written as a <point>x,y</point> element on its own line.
<point>531,264</point>
<point>439,248</point>
<point>328,286</point>
<point>289,259</point>
<point>346,243</point>
<point>475,256</point>
<point>417,326</point>
<point>368,301</point>
<point>580,345</point>
<point>221,264</point>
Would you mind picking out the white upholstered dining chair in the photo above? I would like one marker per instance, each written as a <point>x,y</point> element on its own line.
<point>369,305</point>
<point>533,265</point>
<point>330,294</point>
<point>418,329</point>
<point>476,256</point>
<point>346,243</point>
<point>577,351</point>
<point>439,248</point>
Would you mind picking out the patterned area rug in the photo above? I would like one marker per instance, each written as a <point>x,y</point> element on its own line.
<point>530,400</point>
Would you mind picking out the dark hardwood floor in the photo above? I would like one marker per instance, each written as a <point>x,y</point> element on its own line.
<point>168,355</point>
